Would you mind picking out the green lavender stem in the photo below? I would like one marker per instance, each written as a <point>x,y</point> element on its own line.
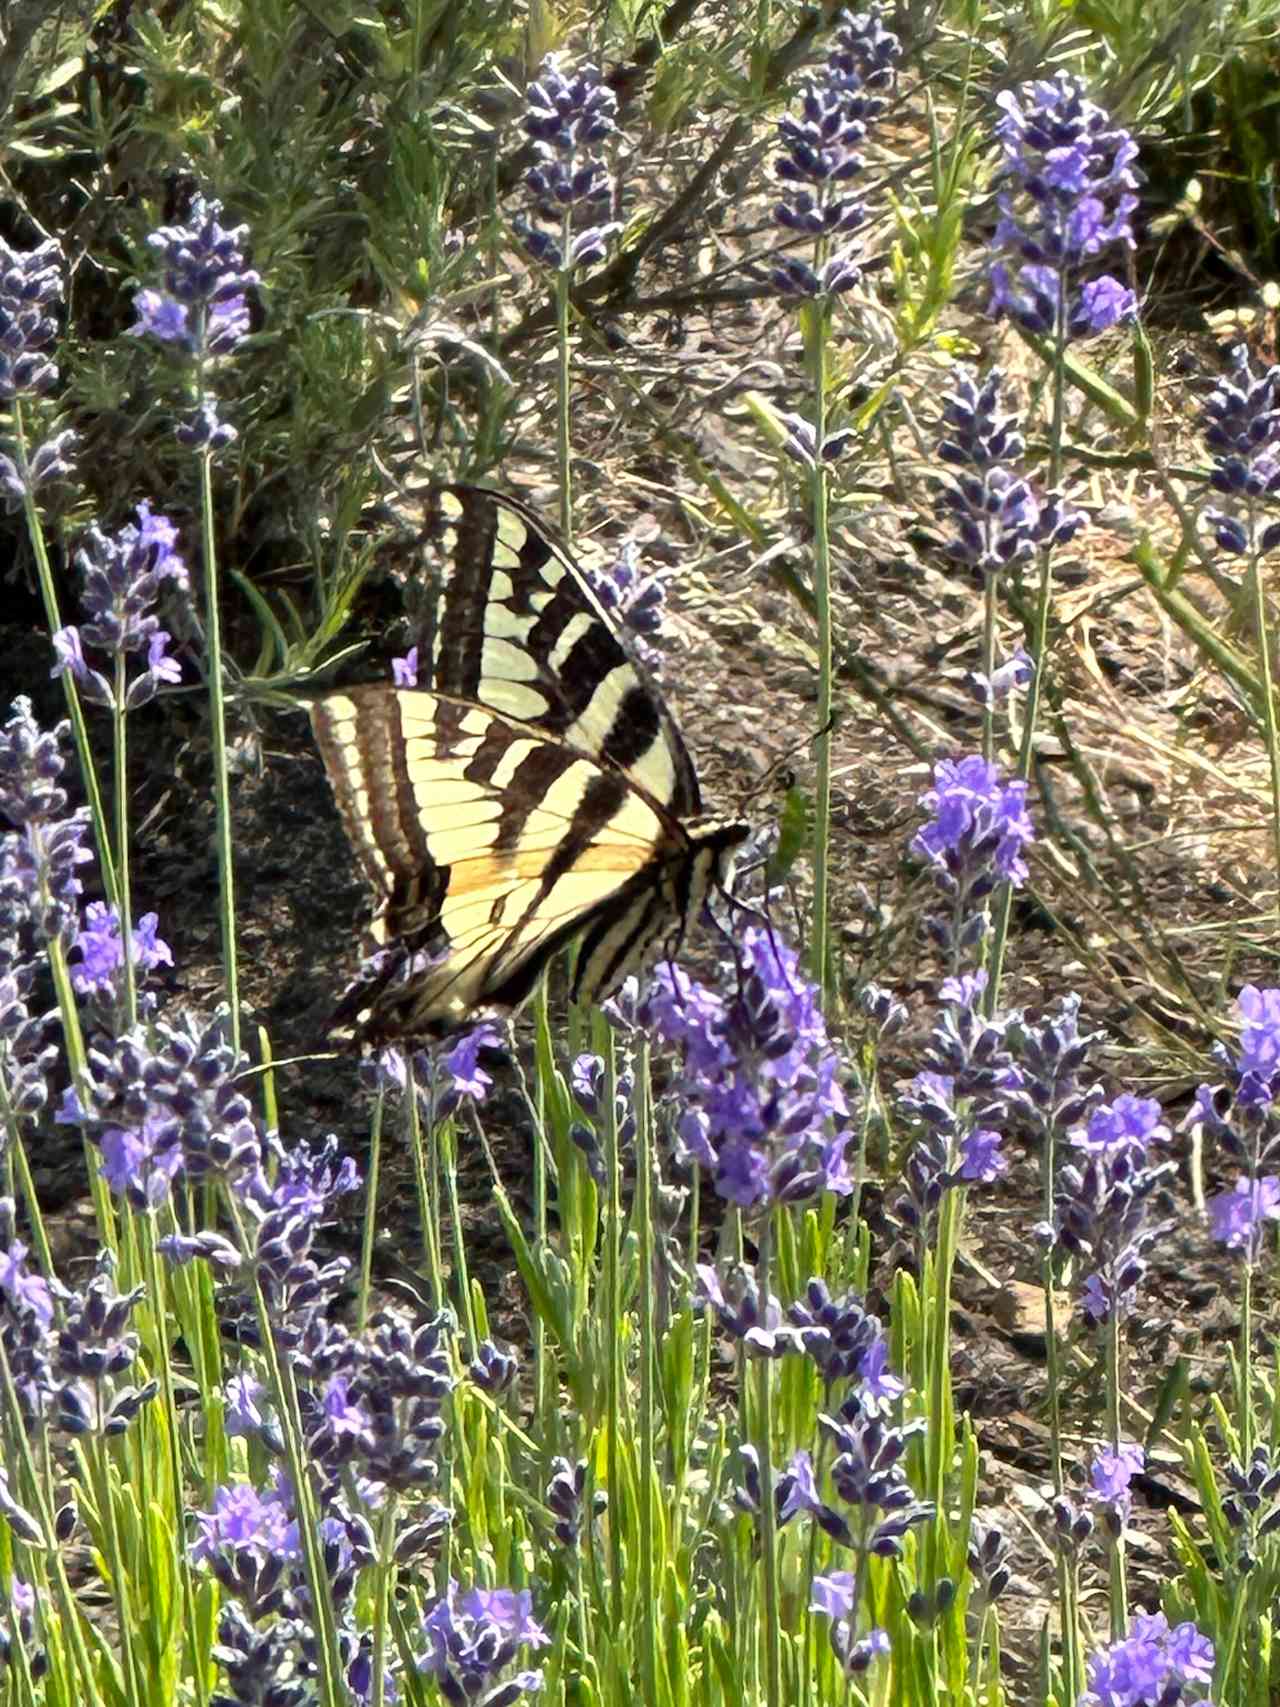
<point>218,734</point>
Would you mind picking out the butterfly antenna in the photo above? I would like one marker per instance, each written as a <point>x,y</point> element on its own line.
<point>780,769</point>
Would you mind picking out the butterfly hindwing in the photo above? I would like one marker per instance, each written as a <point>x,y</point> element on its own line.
<point>488,846</point>
<point>519,629</point>
<point>532,789</point>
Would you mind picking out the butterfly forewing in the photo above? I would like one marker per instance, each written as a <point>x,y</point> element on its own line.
<point>520,630</point>
<point>537,790</point>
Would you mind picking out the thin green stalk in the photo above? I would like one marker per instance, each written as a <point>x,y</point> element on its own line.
<point>950,1215</point>
<point>989,667</point>
<point>159,1311</point>
<point>772,1608</point>
<point>330,1669</point>
<point>1119,1597</point>
<point>1246,1362</point>
<point>564,447</point>
<point>1268,694</point>
<point>544,1377</point>
<point>424,1173</point>
<point>18,1164</point>
<point>613,1339</point>
<point>35,1487</point>
<point>75,710</point>
<point>370,1210</point>
<point>648,1353</point>
<point>821,954</point>
<point>124,897</point>
<point>461,1276</point>
<point>1039,644</point>
<point>218,736</point>
<point>97,1474</point>
<point>386,1573</point>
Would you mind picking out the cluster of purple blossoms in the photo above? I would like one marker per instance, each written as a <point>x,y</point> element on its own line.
<point>974,840</point>
<point>1103,1202</point>
<point>123,576</point>
<point>1066,186</point>
<point>473,1637</point>
<point>1153,1666</point>
<point>1000,517</point>
<point>1242,431</point>
<point>566,1500</point>
<point>568,118</point>
<point>162,1103</point>
<point>1110,1485</point>
<point>67,1352</point>
<point>822,155</point>
<point>1240,1113</point>
<point>444,1077</point>
<point>1252,1507</point>
<point>30,291</point>
<point>39,903</point>
<point>958,1106</point>
<point>18,1627</point>
<point>203,309</point>
<point>633,599</point>
<point>1051,1055</point>
<point>97,973</point>
<point>764,1110</point>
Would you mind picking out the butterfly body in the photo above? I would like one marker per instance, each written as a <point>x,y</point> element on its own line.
<point>536,791</point>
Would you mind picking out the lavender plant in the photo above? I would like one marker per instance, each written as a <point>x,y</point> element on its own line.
<point>568,118</point>
<point>203,314</point>
<point>820,158</point>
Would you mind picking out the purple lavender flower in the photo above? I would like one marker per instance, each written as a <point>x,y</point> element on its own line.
<point>845,1342</point>
<point>1001,518</point>
<point>1238,1217</point>
<point>30,287</point>
<point>1066,194</point>
<point>566,1499</point>
<point>836,1597</point>
<point>568,118</point>
<point>1103,1203</point>
<point>1051,1055</point>
<point>101,951</point>
<point>202,307</point>
<point>990,691</point>
<point>988,1560</point>
<point>19,1626</point>
<point>1251,1507</point>
<point>822,155</point>
<point>404,671</point>
<point>765,1110</point>
<point>475,1635</point>
<point>39,888</point>
<point>20,477</point>
<point>1128,1125</point>
<point>123,575</point>
<point>1110,1475</point>
<point>247,1541</point>
<point>1242,431</point>
<point>978,828</point>
<point>868,1474</point>
<point>165,1101</point>
<point>634,600</point>
<point>1152,1666</point>
<point>743,1314</point>
<point>494,1369</point>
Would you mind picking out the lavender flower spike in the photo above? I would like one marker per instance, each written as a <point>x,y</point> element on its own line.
<point>1066,194</point>
<point>202,307</point>
<point>568,118</point>
<point>1000,517</point>
<point>1241,424</point>
<point>1153,1663</point>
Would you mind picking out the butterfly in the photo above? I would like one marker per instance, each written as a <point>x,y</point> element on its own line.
<point>533,790</point>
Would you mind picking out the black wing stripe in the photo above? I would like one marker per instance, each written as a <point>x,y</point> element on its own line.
<point>520,631</point>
